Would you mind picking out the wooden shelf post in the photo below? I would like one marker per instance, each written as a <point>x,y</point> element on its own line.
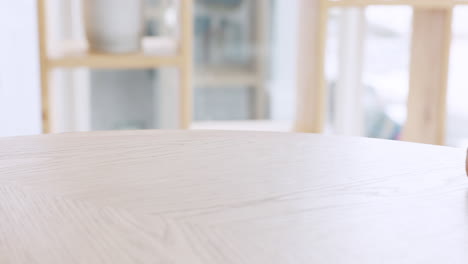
<point>311,91</point>
<point>428,76</point>
<point>186,69</point>
<point>44,69</point>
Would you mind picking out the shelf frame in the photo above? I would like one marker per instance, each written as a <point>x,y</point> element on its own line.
<point>84,59</point>
<point>426,104</point>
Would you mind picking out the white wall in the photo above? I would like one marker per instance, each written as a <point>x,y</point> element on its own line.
<point>19,69</point>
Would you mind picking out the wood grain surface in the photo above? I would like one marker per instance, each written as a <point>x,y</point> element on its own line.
<point>230,197</point>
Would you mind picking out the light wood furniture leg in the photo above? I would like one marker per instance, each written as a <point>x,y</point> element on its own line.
<point>45,73</point>
<point>262,11</point>
<point>311,91</point>
<point>428,76</point>
<point>186,103</point>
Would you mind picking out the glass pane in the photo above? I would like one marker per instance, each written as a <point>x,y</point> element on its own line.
<point>228,76</point>
<point>236,49</point>
<point>238,46</point>
<point>333,67</point>
<point>367,65</point>
<point>132,99</point>
<point>457,107</point>
<point>386,74</point>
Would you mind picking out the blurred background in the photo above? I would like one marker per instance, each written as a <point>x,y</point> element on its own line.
<point>244,74</point>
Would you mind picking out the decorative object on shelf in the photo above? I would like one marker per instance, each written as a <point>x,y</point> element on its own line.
<point>114,26</point>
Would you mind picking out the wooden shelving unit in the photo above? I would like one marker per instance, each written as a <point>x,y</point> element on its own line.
<point>70,54</point>
<point>432,22</point>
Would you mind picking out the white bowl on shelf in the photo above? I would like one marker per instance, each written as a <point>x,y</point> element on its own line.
<point>114,26</point>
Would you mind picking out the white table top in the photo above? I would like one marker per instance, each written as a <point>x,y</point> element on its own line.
<point>230,197</point>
